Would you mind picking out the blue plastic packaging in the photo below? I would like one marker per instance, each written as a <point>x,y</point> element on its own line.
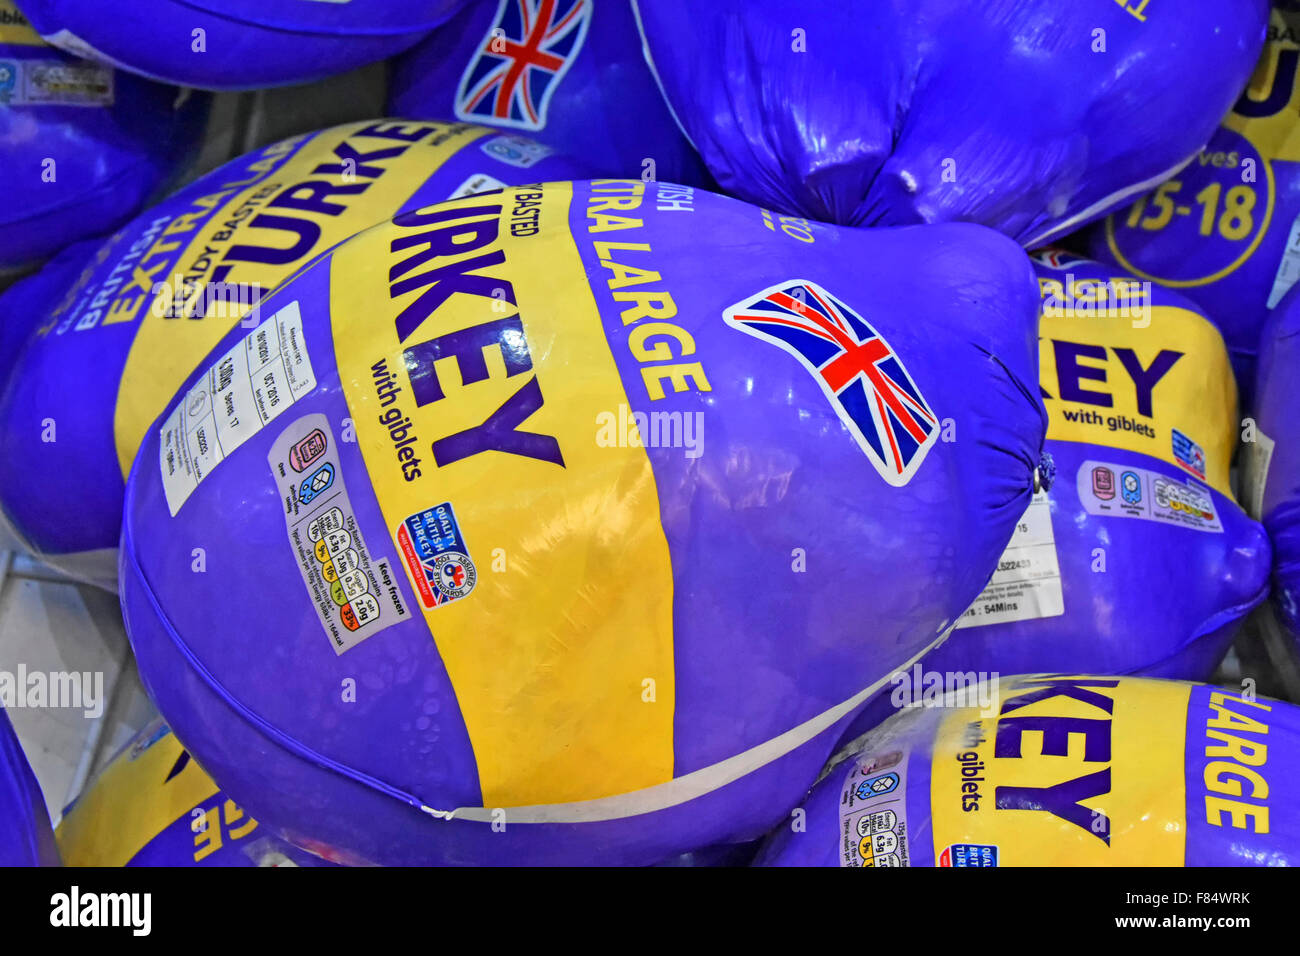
<point>152,805</point>
<point>26,838</point>
<point>589,515</point>
<point>237,44</point>
<point>1061,770</point>
<point>1271,454</point>
<point>1030,116</point>
<point>115,326</point>
<point>1225,232</point>
<point>82,146</point>
<point>1139,559</point>
<point>572,75</point>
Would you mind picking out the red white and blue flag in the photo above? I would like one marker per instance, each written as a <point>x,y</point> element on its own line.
<point>1056,258</point>
<point>859,373</point>
<point>521,61</point>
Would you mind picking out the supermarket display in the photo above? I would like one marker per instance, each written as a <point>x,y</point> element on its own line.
<point>237,44</point>
<point>569,73</point>
<point>1139,558</point>
<point>1062,771</point>
<point>1271,457</point>
<point>1029,116</point>
<point>153,805</point>
<point>1226,230</point>
<point>121,323</point>
<point>25,835</point>
<point>645,433</point>
<point>82,146</point>
<point>582,518</point>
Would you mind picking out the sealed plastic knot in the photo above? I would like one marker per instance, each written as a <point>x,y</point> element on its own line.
<point>1044,473</point>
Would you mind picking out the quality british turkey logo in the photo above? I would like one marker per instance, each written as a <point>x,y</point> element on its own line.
<point>436,557</point>
<point>969,854</point>
<point>859,373</point>
<point>521,61</point>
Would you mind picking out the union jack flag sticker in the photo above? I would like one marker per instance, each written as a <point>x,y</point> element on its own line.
<point>862,377</point>
<point>518,66</point>
<point>1056,258</point>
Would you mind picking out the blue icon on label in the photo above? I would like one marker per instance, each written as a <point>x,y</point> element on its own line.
<point>318,481</point>
<point>516,150</point>
<point>8,78</point>
<point>1130,486</point>
<point>876,786</point>
<point>969,854</point>
<point>1188,454</point>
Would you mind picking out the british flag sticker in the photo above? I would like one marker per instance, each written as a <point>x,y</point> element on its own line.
<point>520,63</point>
<point>861,376</point>
<point>1055,258</point>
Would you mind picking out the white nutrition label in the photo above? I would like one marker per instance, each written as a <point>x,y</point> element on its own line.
<point>1256,456</point>
<point>55,83</point>
<point>1288,268</point>
<point>248,387</point>
<point>1027,582</point>
<point>478,183</point>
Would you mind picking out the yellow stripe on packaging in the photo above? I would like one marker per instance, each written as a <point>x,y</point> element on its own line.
<point>562,654</point>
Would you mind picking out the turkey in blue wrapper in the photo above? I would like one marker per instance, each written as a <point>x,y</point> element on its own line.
<point>237,44</point>
<point>117,325</point>
<point>82,146</point>
<point>612,501</point>
<point>1225,232</point>
<point>1061,770</point>
<point>1029,116</point>
<point>152,805</point>
<point>1138,560</point>
<point>569,73</point>
<point>1271,455</point>
<point>26,838</point>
